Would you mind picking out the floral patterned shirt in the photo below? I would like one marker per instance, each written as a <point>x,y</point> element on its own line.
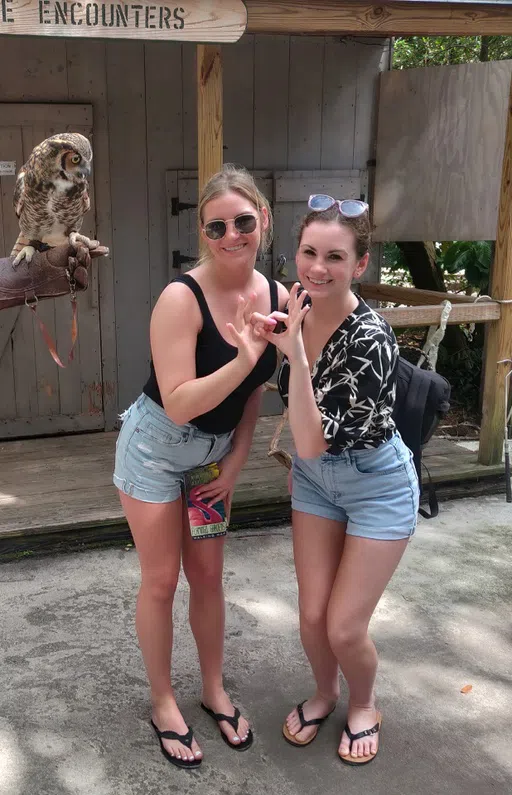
<point>354,381</point>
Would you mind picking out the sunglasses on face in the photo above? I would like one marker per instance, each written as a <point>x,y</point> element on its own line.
<point>244,224</point>
<point>350,208</point>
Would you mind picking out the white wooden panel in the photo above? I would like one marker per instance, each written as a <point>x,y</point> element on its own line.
<point>128,170</point>
<point>305,102</point>
<point>271,83</point>
<point>238,91</point>
<point>440,151</point>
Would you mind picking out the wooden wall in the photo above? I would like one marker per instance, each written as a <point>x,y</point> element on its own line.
<point>290,103</point>
<point>441,135</point>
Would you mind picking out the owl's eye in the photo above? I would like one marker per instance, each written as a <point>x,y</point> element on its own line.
<point>75,159</point>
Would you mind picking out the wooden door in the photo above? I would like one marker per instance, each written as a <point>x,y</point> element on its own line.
<point>36,396</point>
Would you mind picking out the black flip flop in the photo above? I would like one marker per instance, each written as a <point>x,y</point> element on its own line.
<point>291,738</point>
<point>186,739</point>
<point>356,761</point>
<point>233,721</point>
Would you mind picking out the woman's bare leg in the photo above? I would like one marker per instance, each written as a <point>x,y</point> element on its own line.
<point>366,567</point>
<point>203,562</point>
<point>317,546</point>
<point>157,532</point>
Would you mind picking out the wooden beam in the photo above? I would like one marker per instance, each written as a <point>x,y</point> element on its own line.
<point>411,296</point>
<point>403,317</point>
<point>209,112</point>
<point>499,335</point>
<point>335,17</point>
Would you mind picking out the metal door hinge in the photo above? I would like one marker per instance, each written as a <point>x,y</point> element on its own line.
<point>177,206</point>
<point>178,259</point>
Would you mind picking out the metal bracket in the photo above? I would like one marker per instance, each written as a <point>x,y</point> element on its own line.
<point>178,259</point>
<point>177,206</point>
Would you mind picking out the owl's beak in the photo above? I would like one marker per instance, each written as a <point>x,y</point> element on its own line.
<point>85,171</point>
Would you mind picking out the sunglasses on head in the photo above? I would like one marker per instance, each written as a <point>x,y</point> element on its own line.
<point>244,224</point>
<point>350,208</point>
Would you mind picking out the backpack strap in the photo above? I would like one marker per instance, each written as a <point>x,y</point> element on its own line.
<point>416,403</point>
<point>433,504</point>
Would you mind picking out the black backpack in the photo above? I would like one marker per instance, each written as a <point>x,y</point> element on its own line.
<point>422,399</point>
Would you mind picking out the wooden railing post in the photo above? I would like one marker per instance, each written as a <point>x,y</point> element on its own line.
<point>499,334</point>
<point>209,112</point>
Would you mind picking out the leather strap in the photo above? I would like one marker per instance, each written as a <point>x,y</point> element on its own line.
<point>32,305</point>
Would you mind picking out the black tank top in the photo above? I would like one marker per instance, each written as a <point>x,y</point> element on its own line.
<point>212,353</point>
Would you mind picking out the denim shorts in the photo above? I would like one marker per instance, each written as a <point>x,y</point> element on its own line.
<point>153,453</point>
<point>375,491</point>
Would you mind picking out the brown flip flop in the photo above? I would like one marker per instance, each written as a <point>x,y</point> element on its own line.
<point>361,760</point>
<point>292,739</point>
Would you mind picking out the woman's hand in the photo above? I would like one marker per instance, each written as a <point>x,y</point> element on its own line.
<point>250,344</point>
<point>290,341</point>
<point>222,487</point>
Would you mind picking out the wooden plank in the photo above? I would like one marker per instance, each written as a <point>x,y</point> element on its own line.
<point>128,172</point>
<point>271,85</point>
<point>51,115</point>
<point>499,335</point>
<point>295,188</point>
<point>429,315</point>
<point>441,133</point>
<point>43,74</point>
<point>388,19</point>
<point>164,137</point>
<point>305,102</point>
<point>189,93</point>
<point>11,149</point>
<point>213,21</point>
<point>209,112</point>
<point>52,423</point>
<point>372,57</point>
<point>87,80</point>
<point>238,91</point>
<point>410,296</point>
<point>338,104</point>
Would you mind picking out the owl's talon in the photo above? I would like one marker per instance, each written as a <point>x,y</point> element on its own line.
<point>75,239</point>
<point>27,252</point>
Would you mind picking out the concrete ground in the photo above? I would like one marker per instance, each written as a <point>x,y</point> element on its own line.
<point>74,701</point>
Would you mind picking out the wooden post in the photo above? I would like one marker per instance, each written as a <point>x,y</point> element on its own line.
<point>209,112</point>
<point>499,333</point>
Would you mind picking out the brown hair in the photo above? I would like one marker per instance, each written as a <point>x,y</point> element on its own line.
<point>360,227</point>
<point>238,180</point>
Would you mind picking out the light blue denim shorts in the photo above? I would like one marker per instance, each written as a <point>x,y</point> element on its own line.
<point>153,453</point>
<point>375,490</point>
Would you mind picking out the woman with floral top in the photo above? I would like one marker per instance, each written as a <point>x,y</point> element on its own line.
<point>354,486</point>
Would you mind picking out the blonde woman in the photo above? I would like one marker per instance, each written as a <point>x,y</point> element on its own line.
<point>199,405</point>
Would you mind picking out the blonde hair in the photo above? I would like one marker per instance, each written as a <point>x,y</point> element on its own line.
<point>236,179</point>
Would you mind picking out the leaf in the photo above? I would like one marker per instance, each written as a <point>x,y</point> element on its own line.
<point>466,689</point>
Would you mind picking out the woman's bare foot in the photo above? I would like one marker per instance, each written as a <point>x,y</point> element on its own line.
<point>360,719</point>
<point>220,702</point>
<point>167,717</point>
<point>316,707</point>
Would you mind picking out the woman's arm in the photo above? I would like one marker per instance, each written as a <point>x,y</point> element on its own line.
<point>175,324</point>
<point>303,413</point>
<point>233,463</point>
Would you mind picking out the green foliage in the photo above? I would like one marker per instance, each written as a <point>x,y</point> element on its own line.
<point>413,51</point>
<point>473,258</point>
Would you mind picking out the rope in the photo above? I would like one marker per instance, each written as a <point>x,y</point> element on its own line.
<point>434,338</point>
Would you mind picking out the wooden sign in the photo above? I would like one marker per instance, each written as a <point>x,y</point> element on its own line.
<point>218,21</point>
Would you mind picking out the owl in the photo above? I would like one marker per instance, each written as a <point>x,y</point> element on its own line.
<point>51,195</point>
